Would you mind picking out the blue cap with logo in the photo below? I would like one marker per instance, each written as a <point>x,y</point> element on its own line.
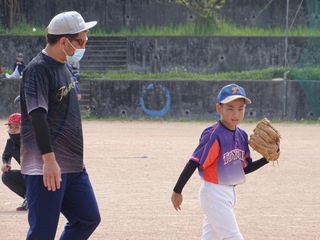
<point>232,92</point>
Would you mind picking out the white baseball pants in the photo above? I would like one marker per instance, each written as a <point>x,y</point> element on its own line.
<point>217,203</point>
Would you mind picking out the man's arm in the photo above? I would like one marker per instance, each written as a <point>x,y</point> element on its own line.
<point>51,169</point>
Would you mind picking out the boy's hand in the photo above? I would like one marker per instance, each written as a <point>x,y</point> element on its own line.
<point>176,200</point>
<point>5,167</point>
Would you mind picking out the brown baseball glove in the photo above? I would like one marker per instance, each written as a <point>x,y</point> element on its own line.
<point>266,140</point>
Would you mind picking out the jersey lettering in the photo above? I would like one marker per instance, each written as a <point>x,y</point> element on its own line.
<point>63,91</point>
<point>235,154</point>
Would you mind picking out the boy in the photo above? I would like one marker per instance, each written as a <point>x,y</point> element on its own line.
<point>222,158</point>
<point>13,179</point>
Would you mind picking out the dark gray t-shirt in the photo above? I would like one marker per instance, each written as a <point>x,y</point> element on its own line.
<point>48,84</point>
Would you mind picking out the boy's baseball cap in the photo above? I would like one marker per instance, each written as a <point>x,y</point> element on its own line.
<point>232,92</point>
<point>68,23</point>
<point>14,118</point>
<point>20,54</point>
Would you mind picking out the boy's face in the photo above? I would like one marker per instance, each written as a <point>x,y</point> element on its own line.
<point>14,128</point>
<point>232,113</point>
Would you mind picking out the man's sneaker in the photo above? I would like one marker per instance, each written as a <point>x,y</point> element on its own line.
<point>23,207</point>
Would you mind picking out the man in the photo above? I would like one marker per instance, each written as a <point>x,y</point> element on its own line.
<point>51,136</point>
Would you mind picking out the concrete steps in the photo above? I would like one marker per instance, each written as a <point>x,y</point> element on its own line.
<point>105,54</point>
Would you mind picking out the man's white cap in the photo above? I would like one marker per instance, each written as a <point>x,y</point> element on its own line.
<point>69,23</point>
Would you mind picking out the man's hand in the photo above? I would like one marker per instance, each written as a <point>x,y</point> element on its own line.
<point>51,172</point>
<point>176,200</point>
<point>5,167</point>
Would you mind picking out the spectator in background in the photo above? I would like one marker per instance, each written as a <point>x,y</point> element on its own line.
<point>18,67</point>
<point>19,63</point>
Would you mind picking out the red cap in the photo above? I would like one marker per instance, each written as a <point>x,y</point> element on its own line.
<point>14,118</point>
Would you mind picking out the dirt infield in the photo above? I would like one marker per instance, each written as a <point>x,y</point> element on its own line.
<point>134,165</point>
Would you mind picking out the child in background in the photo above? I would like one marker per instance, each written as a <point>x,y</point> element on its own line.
<point>13,179</point>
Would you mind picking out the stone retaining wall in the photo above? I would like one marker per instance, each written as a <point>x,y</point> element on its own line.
<point>167,99</point>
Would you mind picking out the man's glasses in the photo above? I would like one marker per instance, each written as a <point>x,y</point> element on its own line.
<point>80,41</point>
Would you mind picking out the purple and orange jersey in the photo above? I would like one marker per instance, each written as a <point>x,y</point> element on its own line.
<point>222,155</point>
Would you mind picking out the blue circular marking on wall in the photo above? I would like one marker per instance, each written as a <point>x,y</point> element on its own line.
<point>162,111</point>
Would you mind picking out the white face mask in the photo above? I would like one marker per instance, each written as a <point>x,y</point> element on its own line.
<point>77,56</point>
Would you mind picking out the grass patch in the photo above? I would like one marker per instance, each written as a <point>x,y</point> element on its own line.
<point>218,28</point>
<point>263,74</point>
<point>23,28</point>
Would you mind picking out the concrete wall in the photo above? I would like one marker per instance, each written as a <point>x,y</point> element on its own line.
<point>11,45</point>
<point>116,14</point>
<point>192,54</point>
<point>112,15</point>
<point>168,99</point>
<point>216,54</point>
<point>9,90</point>
<point>270,14</point>
<point>196,99</point>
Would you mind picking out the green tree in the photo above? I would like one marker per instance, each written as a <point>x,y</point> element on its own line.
<point>206,9</point>
<point>10,12</point>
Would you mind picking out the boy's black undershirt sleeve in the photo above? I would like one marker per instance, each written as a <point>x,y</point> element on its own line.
<point>251,167</point>
<point>185,175</point>
<point>41,130</point>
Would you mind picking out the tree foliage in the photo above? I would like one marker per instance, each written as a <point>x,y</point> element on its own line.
<point>10,11</point>
<point>206,9</point>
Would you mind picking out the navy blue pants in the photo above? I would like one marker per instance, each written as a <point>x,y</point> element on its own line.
<point>75,200</point>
